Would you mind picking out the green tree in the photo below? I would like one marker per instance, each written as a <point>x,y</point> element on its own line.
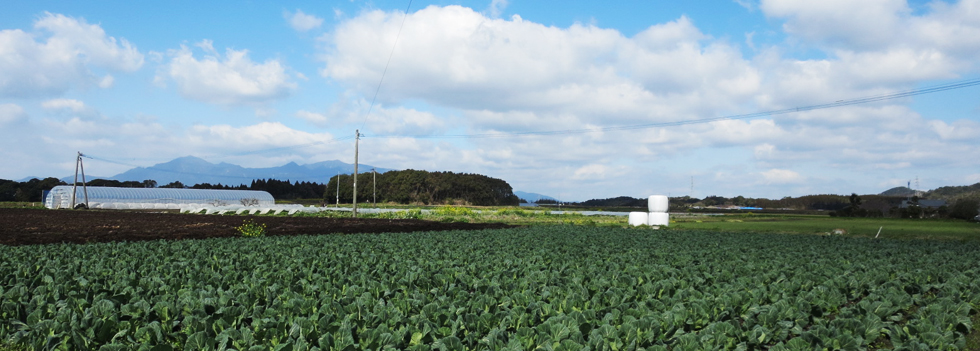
<point>912,210</point>
<point>175,184</point>
<point>853,209</point>
<point>964,209</point>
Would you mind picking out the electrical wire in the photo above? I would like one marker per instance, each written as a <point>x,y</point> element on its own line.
<point>839,103</point>
<point>254,152</point>
<point>388,63</point>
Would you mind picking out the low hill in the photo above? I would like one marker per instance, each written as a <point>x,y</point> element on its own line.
<point>423,187</point>
<point>953,193</point>
<point>898,191</point>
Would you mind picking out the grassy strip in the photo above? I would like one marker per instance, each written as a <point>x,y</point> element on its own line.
<point>973,340</point>
<point>16,204</point>
<point>509,215</point>
<point>892,228</point>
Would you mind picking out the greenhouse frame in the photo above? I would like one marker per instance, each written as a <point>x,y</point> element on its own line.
<point>154,198</point>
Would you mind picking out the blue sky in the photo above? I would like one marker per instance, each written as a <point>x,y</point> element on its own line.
<point>261,83</point>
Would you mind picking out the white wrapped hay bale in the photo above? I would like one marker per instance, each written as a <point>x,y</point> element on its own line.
<point>638,218</point>
<point>658,219</point>
<point>658,203</point>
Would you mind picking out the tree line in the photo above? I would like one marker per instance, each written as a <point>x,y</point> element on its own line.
<point>29,191</point>
<point>433,188</point>
<point>422,187</point>
<point>403,187</point>
<point>32,190</point>
<point>279,189</point>
<point>808,202</point>
<point>963,207</point>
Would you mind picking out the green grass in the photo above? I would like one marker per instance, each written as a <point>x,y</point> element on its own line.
<point>973,339</point>
<point>509,215</point>
<point>16,204</point>
<point>892,228</point>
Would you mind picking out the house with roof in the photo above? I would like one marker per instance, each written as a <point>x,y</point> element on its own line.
<point>924,204</point>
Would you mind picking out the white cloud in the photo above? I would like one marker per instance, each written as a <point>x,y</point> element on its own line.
<point>11,113</point>
<point>459,71</point>
<point>837,22</point>
<point>254,137</point>
<point>764,150</point>
<point>748,5</point>
<point>497,7</point>
<point>379,120</point>
<point>401,120</point>
<point>591,172</point>
<point>972,178</point>
<point>885,35</point>
<point>64,104</point>
<point>302,22</point>
<point>64,57</point>
<point>958,130</point>
<point>781,176</point>
<point>107,82</point>
<point>265,112</point>
<point>317,119</point>
<point>491,76</point>
<point>229,80</point>
<point>891,166</point>
<point>454,56</point>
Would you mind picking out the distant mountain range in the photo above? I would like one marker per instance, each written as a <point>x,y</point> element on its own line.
<point>192,170</point>
<point>532,197</point>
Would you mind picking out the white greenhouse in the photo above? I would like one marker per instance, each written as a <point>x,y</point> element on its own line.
<point>154,198</point>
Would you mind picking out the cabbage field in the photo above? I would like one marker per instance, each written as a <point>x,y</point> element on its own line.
<point>547,287</point>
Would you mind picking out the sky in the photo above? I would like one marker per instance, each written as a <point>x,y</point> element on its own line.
<point>576,99</point>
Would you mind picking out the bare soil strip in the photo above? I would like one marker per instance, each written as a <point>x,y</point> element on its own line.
<point>33,226</point>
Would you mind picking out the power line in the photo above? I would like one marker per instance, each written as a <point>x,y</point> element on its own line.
<point>388,63</point>
<point>168,170</point>
<point>253,152</point>
<point>838,103</point>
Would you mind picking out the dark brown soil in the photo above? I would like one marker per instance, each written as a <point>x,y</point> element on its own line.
<point>34,226</point>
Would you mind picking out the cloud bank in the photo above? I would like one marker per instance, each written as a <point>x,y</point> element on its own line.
<point>61,53</point>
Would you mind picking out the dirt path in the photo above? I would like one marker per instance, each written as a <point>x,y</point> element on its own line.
<point>33,226</point>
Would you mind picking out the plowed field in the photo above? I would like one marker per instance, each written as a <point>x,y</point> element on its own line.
<point>32,226</point>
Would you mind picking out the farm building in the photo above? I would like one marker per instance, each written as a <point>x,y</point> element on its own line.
<point>154,198</point>
<point>924,203</point>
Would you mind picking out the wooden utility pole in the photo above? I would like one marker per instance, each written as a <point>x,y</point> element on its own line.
<point>357,139</point>
<point>374,183</point>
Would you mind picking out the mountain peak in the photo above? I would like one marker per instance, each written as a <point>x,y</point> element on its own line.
<point>194,170</point>
<point>898,191</point>
<point>185,161</point>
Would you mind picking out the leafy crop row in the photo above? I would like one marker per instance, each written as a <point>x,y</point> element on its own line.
<point>561,288</point>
